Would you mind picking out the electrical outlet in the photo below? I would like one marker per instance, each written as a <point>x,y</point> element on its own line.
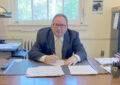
<point>102,53</point>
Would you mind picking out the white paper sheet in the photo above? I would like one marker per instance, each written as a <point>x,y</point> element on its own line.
<point>82,70</point>
<point>44,71</point>
<point>104,61</point>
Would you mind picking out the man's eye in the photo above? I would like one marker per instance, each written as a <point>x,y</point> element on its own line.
<point>60,24</point>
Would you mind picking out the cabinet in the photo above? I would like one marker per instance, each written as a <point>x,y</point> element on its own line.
<point>115,33</point>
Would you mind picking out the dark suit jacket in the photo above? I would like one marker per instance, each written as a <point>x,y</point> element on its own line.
<point>44,45</point>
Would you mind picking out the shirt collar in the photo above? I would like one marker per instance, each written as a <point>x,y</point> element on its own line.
<point>60,38</point>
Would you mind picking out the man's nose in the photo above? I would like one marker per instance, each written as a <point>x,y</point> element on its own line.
<point>59,27</point>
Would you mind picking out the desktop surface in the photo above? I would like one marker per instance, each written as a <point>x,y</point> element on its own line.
<point>105,79</point>
<point>20,79</point>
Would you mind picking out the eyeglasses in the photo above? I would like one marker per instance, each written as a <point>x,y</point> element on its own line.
<point>59,25</point>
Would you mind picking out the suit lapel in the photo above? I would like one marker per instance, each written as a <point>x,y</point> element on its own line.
<point>65,44</point>
<point>51,42</point>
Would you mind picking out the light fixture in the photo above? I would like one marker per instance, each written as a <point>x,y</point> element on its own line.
<point>4,13</point>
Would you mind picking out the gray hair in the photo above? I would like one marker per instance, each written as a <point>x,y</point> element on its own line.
<point>62,15</point>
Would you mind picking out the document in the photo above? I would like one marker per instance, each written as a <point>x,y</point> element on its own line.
<point>105,61</point>
<point>42,71</point>
<point>82,70</point>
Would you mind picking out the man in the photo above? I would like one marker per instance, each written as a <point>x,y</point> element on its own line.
<point>70,47</point>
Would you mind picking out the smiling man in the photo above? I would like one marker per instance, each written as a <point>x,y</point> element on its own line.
<point>58,42</point>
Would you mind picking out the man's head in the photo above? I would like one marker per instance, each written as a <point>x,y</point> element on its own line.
<point>59,25</point>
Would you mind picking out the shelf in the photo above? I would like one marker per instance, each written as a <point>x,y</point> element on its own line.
<point>5,16</point>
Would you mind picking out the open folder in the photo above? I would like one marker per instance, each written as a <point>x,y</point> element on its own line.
<point>42,71</point>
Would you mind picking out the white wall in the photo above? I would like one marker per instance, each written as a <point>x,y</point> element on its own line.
<point>95,37</point>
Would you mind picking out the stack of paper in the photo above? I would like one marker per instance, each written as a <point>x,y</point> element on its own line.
<point>82,70</point>
<point>44,71</point>
<point>104,61</point>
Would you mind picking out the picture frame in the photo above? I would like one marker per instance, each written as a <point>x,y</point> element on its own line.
<point>97,6</point>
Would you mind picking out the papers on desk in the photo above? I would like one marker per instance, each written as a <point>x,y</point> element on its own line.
<point>104,61</point>
<point>42,71</point>
<point>82,70</point>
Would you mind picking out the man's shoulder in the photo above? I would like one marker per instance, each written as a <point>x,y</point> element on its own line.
<point>44,29</point>
<point>72,31</point>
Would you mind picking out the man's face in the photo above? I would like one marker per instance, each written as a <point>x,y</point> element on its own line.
<point>59,26</point>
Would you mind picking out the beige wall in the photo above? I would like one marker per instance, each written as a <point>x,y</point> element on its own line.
<point>95,37</point>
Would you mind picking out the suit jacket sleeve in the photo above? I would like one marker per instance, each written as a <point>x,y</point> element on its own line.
<point>36,51</point>
<point>78,48</point>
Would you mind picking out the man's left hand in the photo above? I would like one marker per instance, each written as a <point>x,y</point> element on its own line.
<point>71,61</point>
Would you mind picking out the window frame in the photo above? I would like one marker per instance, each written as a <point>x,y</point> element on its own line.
<point>13,21</point>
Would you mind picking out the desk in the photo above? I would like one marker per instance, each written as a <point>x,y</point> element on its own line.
<point>63,80</point>
<point>103,79</point>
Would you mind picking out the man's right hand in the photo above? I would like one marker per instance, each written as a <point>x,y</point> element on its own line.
<point>51,59</point>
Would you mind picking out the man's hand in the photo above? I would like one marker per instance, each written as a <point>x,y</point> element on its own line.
<point>71,61</point>
<point>51,59</point>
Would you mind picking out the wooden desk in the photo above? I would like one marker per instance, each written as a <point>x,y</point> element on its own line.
<point>104,79</point>
<point>63,80</point>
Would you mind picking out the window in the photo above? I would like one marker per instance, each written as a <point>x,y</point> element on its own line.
<point>41,12</point>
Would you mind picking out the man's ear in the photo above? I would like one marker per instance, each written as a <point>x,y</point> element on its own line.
<point>51,26</point>
<point>67,25</point>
